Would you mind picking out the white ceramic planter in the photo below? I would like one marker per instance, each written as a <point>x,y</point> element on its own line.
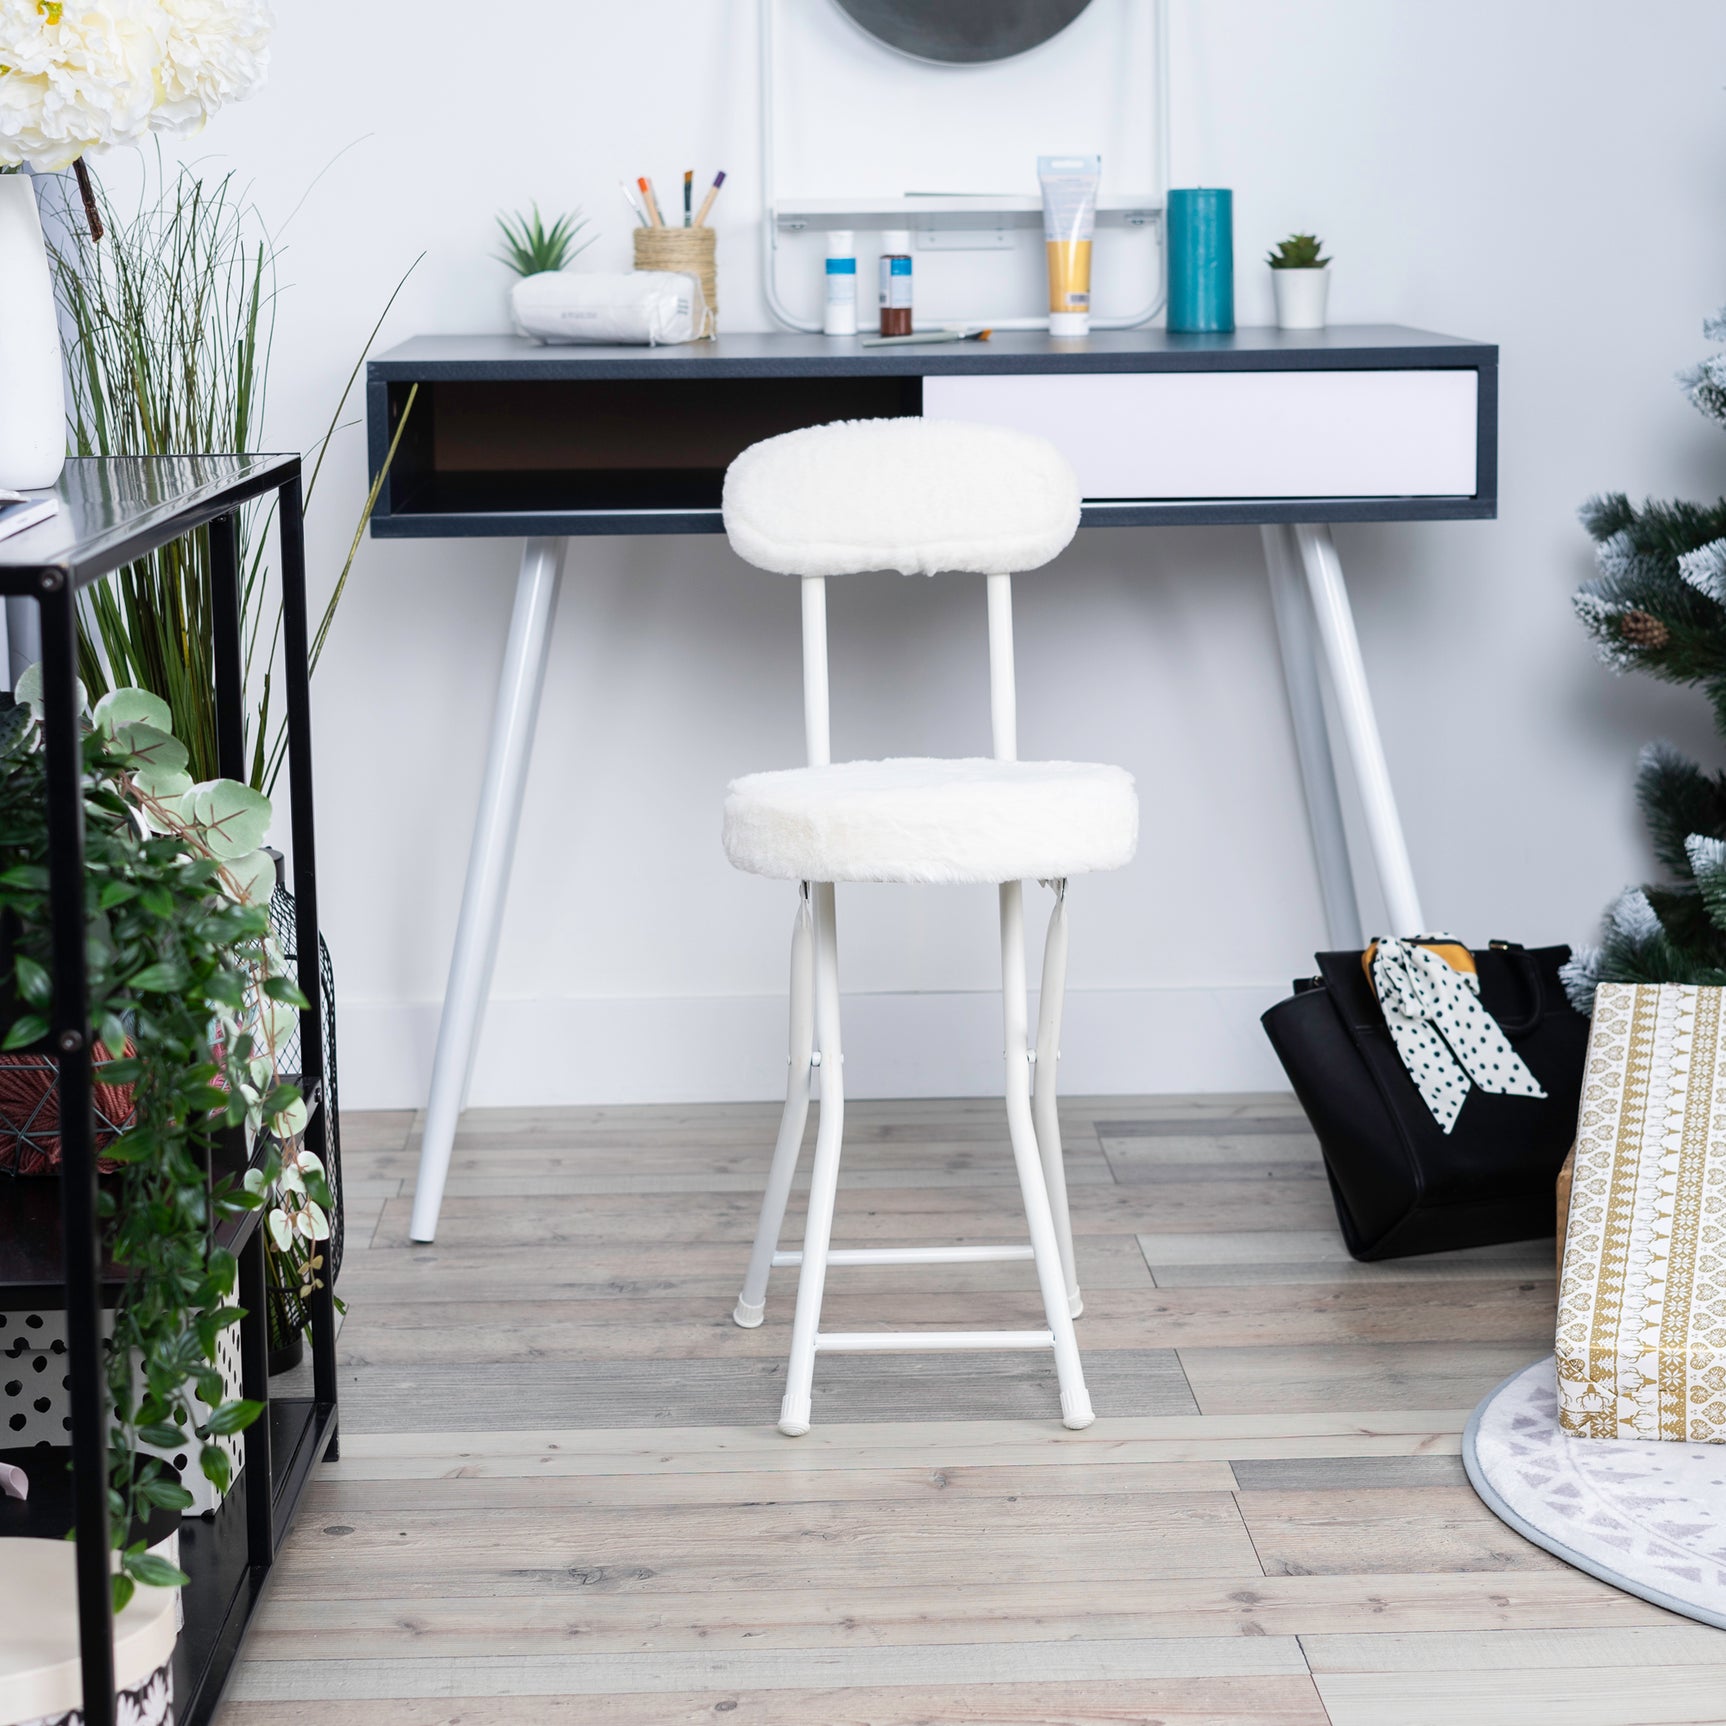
<point>32,390</point>
<point>41,1676</point>
<point>1301,297</point>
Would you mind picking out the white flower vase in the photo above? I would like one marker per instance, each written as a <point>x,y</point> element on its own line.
<point>32,386</point>
<point>1301,297</point>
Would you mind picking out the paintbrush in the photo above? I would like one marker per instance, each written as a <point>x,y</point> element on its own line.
<point>707,202</point>
<point>926,336</point>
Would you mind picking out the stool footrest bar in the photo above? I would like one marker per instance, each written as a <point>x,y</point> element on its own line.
<point>901,1341</point>
<point>911,1255</point>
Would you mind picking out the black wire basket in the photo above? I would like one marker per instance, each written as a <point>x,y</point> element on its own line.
<point>30,1115</point>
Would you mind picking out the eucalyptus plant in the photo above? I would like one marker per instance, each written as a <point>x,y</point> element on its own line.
<point>191,1002</point>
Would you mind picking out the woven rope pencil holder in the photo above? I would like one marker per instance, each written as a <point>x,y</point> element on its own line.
<point>686,250</point>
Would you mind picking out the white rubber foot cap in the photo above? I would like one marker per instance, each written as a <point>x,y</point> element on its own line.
<point>1075,1306</point>
<point>793,1422</point>
<point>748,1316</point>
<point>1076,1409</point>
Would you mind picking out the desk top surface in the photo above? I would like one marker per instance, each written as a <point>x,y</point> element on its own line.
<point>501,358</point>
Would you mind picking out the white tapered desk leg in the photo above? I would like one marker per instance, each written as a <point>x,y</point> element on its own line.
<point>1291,605</point>
<point>1360,728</point>
<point>494,830</point>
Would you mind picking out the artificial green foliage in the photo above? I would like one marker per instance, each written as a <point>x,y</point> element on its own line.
<point>171,318</point>
<point>530,247</point>
<point>190,1002</point>
<point>1297,252</point>
<point>1658,604</point>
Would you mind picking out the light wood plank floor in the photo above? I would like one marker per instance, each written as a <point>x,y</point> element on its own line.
<point>561,1498</point>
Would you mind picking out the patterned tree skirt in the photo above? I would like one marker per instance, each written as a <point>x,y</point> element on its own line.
<point>1645,1515</point>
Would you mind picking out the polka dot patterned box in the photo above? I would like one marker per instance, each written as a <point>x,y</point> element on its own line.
<point>1642,1301</point>
<point>35,1404</point>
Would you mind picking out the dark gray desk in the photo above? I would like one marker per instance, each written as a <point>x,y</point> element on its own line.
<point>510,438</point>
<point>1288,430</point>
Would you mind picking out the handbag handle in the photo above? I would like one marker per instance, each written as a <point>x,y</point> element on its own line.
<point>1523,961</point>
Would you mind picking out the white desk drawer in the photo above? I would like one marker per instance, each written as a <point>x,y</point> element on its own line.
<point>1252,434</point>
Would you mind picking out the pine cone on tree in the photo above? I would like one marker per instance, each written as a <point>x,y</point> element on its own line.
<point>1642,629</point>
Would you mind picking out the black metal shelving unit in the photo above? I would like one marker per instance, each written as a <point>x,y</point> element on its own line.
<point>113,511</point>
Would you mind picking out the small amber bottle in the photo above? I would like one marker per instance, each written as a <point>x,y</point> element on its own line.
<point>896,282</point>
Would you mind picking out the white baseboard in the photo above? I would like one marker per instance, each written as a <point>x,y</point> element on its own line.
<point>732,1048</point>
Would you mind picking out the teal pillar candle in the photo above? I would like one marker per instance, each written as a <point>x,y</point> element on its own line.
<point>1201,242</point>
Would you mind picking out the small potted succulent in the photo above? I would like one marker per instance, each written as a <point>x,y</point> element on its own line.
<point>1302,278</point>
<point>530,248</point>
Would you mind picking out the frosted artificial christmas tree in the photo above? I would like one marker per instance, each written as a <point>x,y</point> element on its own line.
<point>1659,605</point>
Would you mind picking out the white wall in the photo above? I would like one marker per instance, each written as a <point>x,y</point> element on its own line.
<point>1545,175</point>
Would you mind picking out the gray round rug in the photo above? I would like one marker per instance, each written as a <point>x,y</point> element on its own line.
<point>1647,1517</point>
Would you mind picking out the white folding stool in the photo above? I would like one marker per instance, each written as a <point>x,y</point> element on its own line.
<point>919,496</point>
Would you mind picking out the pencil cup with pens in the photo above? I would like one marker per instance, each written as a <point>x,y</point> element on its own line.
<point>686,248</point>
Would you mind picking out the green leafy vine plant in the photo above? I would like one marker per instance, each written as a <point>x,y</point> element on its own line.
<point>1297,252</point>
<point>190,1000</point>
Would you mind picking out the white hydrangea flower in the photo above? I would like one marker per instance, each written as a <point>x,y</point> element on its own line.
<point>218,51</point>
<point>83,75</point>
<point>75,75</point>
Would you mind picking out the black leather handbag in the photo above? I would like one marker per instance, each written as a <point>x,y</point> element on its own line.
<point>1401,1184</point>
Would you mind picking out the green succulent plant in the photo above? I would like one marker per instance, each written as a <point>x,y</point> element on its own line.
<point>530,247</point>
<point>1297,252</point>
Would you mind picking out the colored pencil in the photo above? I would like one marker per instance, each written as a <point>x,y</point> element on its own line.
<point>707,202</point>
<point>645,187</point>
<point>688,185</point>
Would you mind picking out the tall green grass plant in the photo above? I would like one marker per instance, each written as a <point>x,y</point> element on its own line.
<point>171,318</point>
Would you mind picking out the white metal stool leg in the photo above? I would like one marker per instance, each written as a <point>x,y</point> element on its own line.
<point>1051,1279</point>
<point>752,1303</point>
<point>794,1412</point>
<point>512,727</point>
<point>1354,706</point>
<point>1044,1084</point>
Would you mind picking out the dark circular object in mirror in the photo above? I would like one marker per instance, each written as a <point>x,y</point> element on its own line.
<point>963,32</point>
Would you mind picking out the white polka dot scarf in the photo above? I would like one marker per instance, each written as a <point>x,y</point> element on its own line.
<point>1446,1039</point>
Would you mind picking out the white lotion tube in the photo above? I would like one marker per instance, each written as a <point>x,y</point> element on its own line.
<point>1069,217</point>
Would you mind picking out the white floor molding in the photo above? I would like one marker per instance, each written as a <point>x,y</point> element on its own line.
<point>732,1048</point>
